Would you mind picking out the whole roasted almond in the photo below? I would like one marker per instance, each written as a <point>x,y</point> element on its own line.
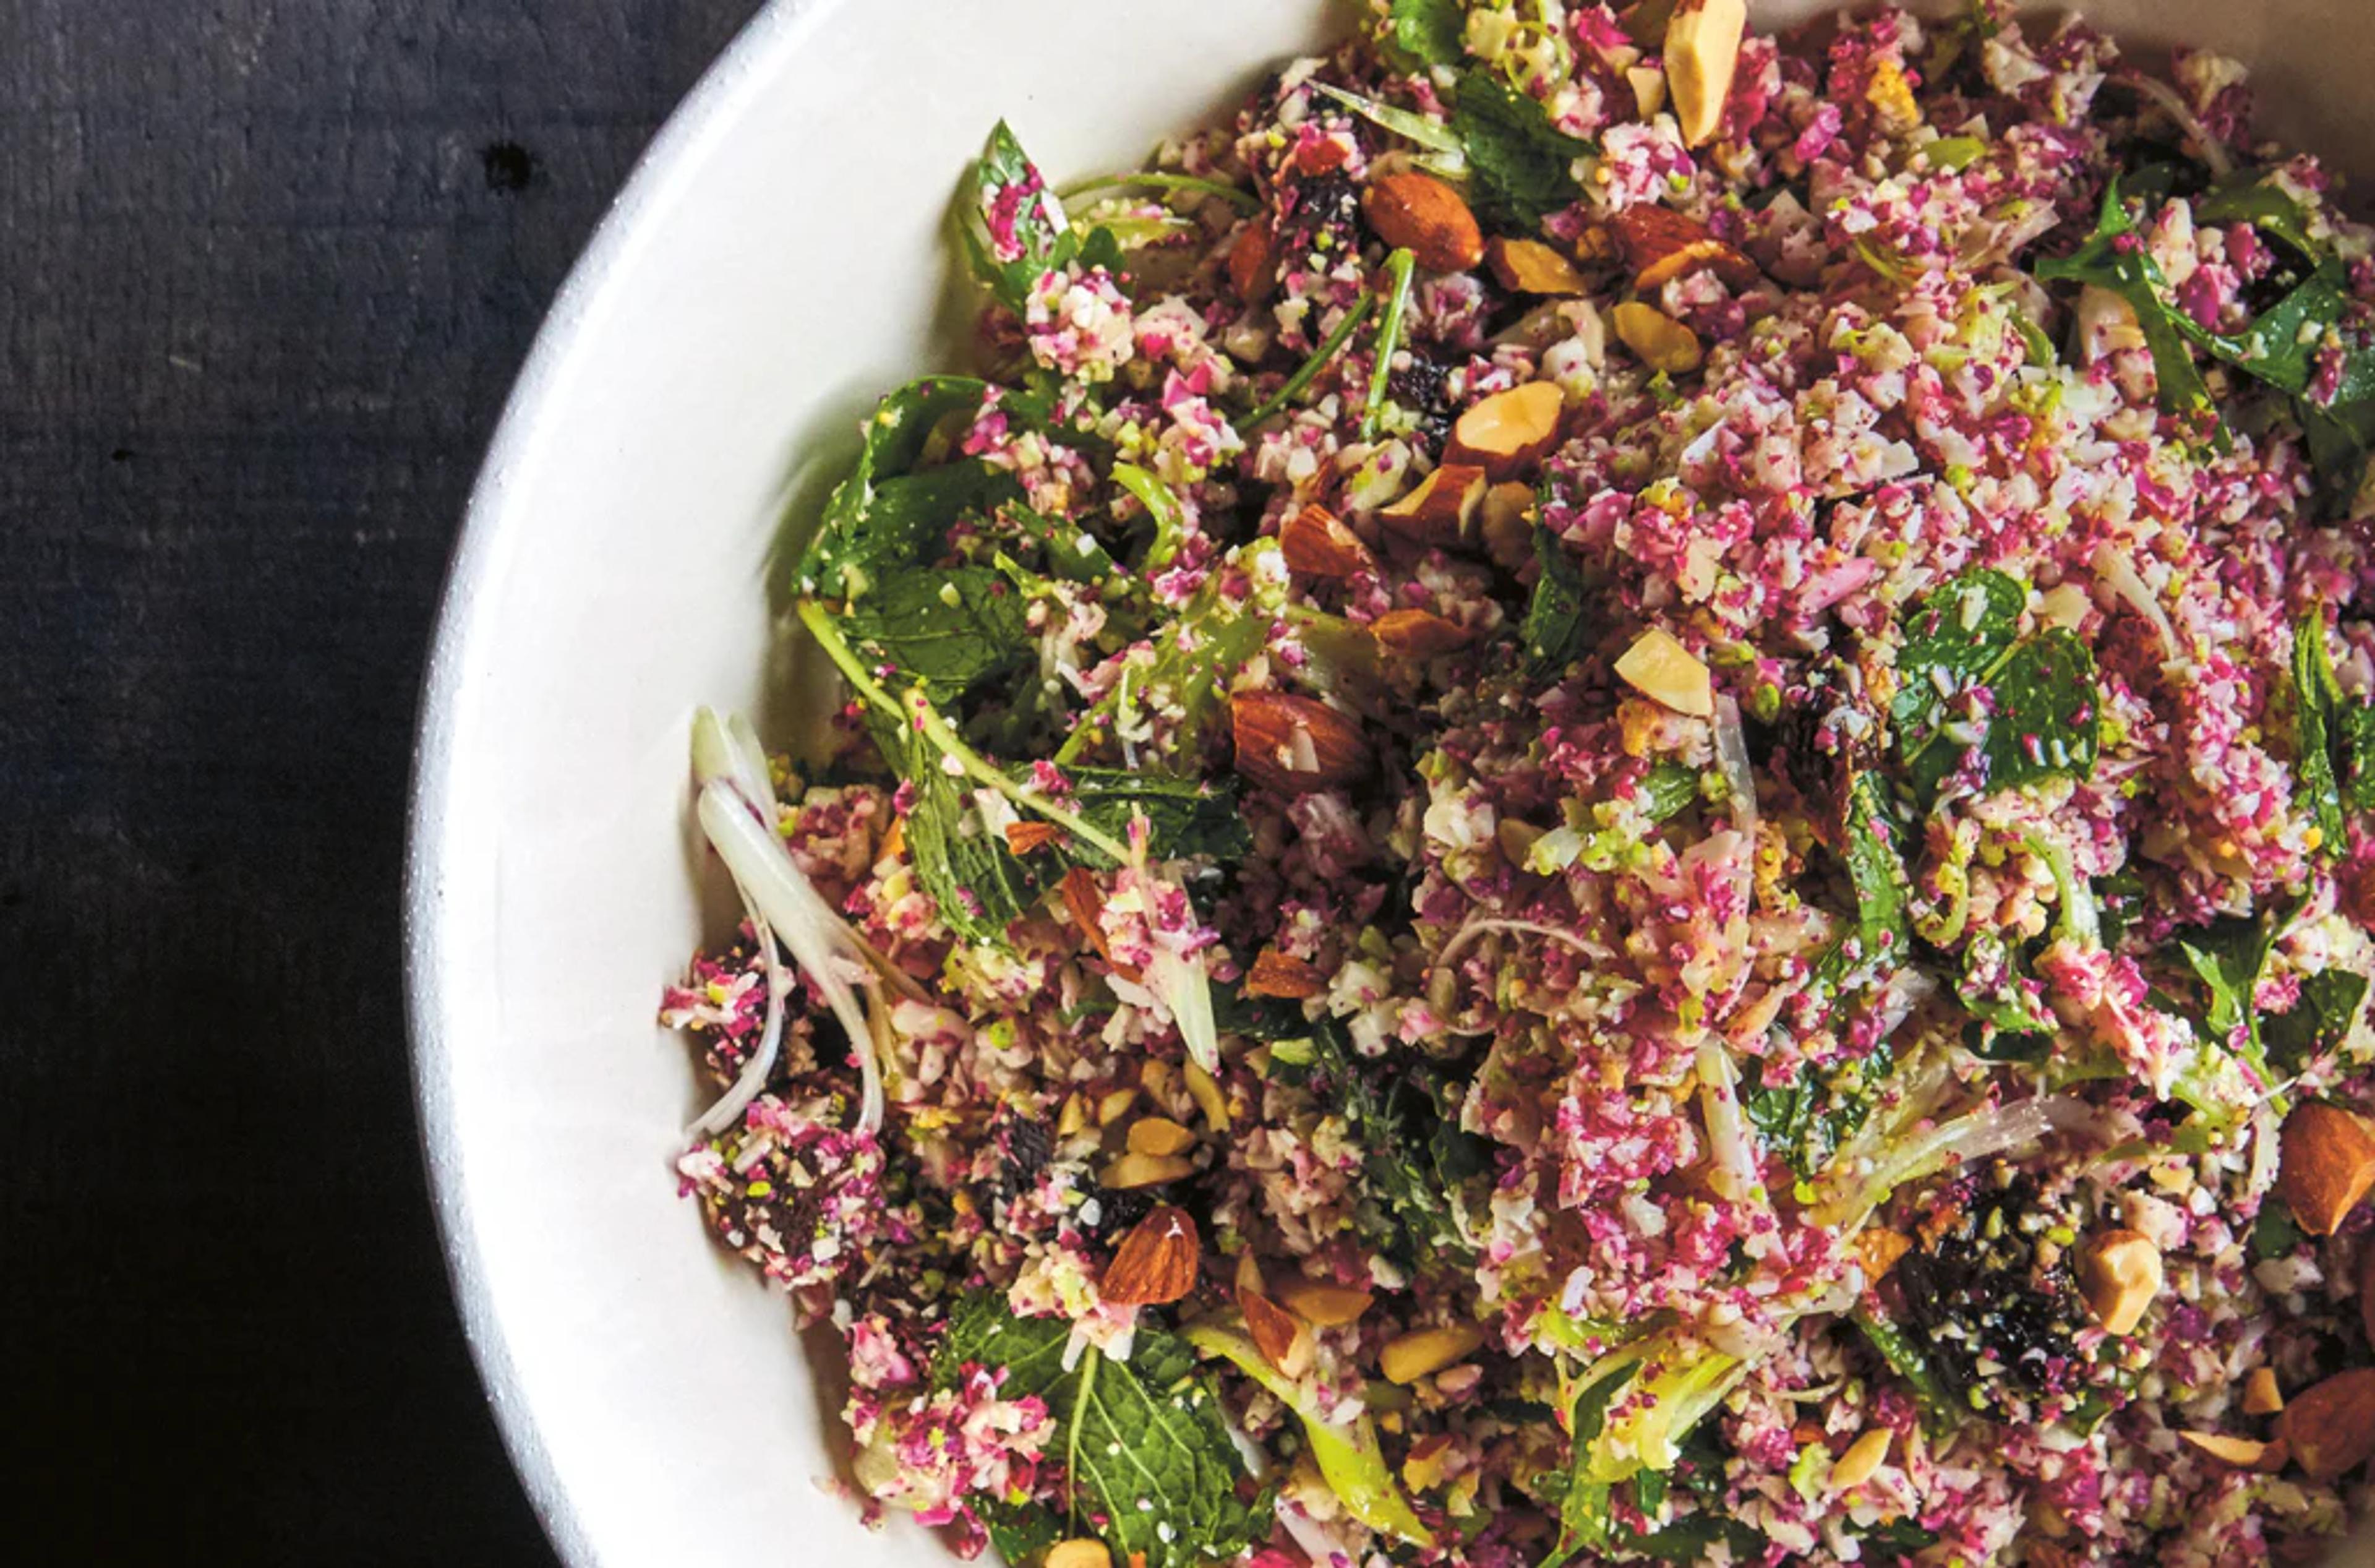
<point>1253,263</point>
<point>1418,634</point>
<point>1155,1264</point>
<point>1440,508</point>
<point>2328,1165</point>
<point>1530,266</point>
<point>2331,1427</point>
<point>1024,837</point>
<point>1425,215</point>
<point>1702,52</point>
<point>1283,1340</point>
<point>1509,432</point>
<point>1294,745</point>
<point>1283,976</point>
<point>1317,543</point>
<point>1660,244</point>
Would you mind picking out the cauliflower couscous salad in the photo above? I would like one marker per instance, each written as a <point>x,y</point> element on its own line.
<point>1607,794</point>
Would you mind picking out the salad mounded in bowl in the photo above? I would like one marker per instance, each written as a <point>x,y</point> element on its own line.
<point>1604,797</point>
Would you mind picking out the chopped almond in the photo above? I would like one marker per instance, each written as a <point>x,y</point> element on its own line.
<point>1664,343</point>
<point>1530,266</point>
<point>1440,508</point>
<point>1509,432</point>
<point>1862,1460</point>
<point>1024,837</point>
<point>2327,1165</point>
<point>2330,1427</point>
<point>2262,1397</point>
<point>2243,1453</point>
<point>1702,52</point>
<point>1876,1247</point>
<point>1144,1170</point>
<point>1159,1134</point>
<point>1508,523</point>
<point>1648,85</point>
<point>1418,634</point>
<point>2120,1275</point>
<point>1285,1341</point>
<point>1080,1552</point>
<point>1253,265</point>
<point>1294,745</point>
<point>1206,1092</point>
<point>1084,901</point>
<point>1427,1350</point>
<point>1325,1305</point>
<point>1283,976</point>
<point>1661,244</point>
<point>1316,542</point>
<point>1660,668</point>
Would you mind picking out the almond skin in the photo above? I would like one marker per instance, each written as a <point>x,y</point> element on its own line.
<point>2330,1427</point>
<point>1316,542</point>
<point>2328,1165</point>
<point>1253,266</point>
<point>1294,745</point>
<point>1082,900</point>
<point>1509,432</point>
<point>1283,976</point>
<point>1660,244</point>
<point>1441,509</point>
<point>1418,634</point>
<point>1283,1341</point>
<point>1421,214</point>
<point>1155,1264</point>
<point>1529,266</point>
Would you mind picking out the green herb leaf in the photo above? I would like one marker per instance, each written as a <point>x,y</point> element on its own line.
<point>1876,871</point>
<point>1147,1456</point>
<point>1014,227</point>
<point>2316,696</point>
<point>2318,1021</point>
<point>2047,721</point>
<point>1521,168</point>
<point>2276,1234</point>
<point>1184,817</point>
<point>1428,33</point>
<point>1554,633</point>
<point>889,513</point>
<point>1994,990</point>
<point>1905,1358</point>
<point>1667,788</point>
<point>1954,638</point>
<point>2247,196</point>
<point>2113,257</point>
<point>980,886</point>
<point>950,631</point>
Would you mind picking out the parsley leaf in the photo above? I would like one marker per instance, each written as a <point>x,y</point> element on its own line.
<point>1428,33</point>
<point>1554,631</point>
<point>1521,168</point>
<point>1147,1456</point>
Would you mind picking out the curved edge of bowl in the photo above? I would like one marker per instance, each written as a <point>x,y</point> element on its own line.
<point>660,174</point>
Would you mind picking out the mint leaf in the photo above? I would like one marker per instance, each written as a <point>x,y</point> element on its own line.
<point>2046,722</point>
<point>1666,789</point>
<point>1148,1463</point>
<point>1954,637</point>
<point>2246,196</point>
<point>1906,1359</point>
<point>1014,228</point>
<point>1184,817</point>
<point>2113,257</point>
<point>1994,991</point>
<point>1554,633</point>
<point>1521,167</point>
<point>980,886</point>
<point>2316,695</point>
<point>2228,956</point>
<point>1428,33</point>
<point>948,630</point>
<point>2319,1022</point>
<point>1876,873</point>
<point>2356,743</point>
<point>889,513</point>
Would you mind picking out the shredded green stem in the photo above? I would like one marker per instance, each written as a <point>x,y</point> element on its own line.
<point>1309,369</point>
<point>1244,201</point>
<point>1398,268</point>
<point>917,709</point>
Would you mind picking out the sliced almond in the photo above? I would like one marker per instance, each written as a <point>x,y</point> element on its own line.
<point>1425,215</point>
<point>1133,1171</point>
<point>2120,1275</point>
<point>1283,976</point>
<point>1423,1351</point>
<point>2262,1397</point>
<point>1284,1339</point>
<point>2330,1427</point>
<point>2328,1164</point>
<point>1648,85</point>
<point>1253,263</point>
<point>1159,1134</point>
<point>1206,1092</point>
<point>1084,899</point>
<point>1507,524</point>
<point>1660,244</point>
<point>1702,50</point>
<point>1423,1470</point>
<point>1156,1263</point>
<point>1418,634</point>
<point>1023,838</point>
<point>1664,343</point>
<point>1660,668</point>
<point>1316,542</point>
<point>1073,1118</point>
<point>1114,1105</point>
<point>1294,745</point>
<point>1529,266</point>
<point>1248,1273</point>
<point>1440,508</point>
<point>1080,1552</point>
<point>1326,1305</point>
<point>1509,432</point>
<point>1862,1460</point>
<point>2243,1453</point>
<point>1154,1077</point>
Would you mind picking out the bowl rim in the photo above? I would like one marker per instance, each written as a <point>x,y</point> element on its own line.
<point>667,166</point>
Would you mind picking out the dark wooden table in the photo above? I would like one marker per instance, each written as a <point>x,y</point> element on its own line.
<point>266,268</point>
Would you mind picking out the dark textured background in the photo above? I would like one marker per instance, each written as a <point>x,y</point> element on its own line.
<point>266,268</point>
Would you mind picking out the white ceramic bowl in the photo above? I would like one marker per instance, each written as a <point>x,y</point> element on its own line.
<point>776,263</point>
